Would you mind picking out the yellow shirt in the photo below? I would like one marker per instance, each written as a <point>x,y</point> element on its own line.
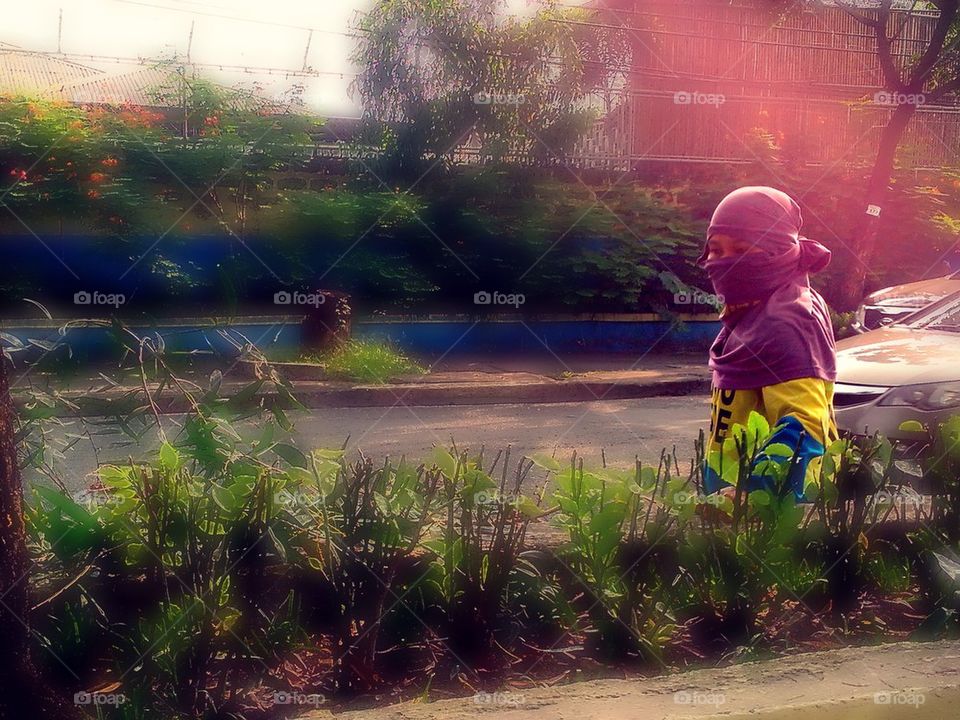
<point>804,403</point>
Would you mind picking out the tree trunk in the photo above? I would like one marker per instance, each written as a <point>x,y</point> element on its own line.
<point>862,245</point>
<point>22,693</point>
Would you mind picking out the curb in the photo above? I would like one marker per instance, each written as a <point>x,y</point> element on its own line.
<point>897,681</point>
<point>340,395</point>
<point>497,394</point>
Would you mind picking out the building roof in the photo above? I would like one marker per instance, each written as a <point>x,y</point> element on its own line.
<point>34,73</point>
<point>49,76</point>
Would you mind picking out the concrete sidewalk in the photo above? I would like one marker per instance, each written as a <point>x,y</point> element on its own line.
<point>901,681</point>
<point>463,382</point>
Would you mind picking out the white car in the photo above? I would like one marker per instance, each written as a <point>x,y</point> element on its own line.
<point>889,305</point>
<point>907,370</point>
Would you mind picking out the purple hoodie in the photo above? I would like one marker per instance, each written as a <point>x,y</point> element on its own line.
<point>775,326</point>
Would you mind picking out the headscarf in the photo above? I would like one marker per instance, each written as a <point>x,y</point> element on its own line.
<point>775,326</point>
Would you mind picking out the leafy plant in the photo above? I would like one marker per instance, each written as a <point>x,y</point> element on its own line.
<point>852,475</point>
<point>368,361</point>
<point>477,553</point>
<point>617,523</point>
<point>747,538</point>
<point>367,520</point>
<point>940,466</point>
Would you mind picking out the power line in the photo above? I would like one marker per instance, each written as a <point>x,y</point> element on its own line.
<point>231,17</point>
<point>630,70</point>
<point>563,21</point>
<point>248,69</point>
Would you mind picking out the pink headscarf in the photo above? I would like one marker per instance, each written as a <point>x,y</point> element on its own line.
<point>785,330</point>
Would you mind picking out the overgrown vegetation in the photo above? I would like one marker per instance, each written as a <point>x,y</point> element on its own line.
<point>366,361</point>
<point>225,570</point>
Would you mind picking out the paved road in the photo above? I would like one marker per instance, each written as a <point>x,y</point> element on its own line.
<point>623,428</point>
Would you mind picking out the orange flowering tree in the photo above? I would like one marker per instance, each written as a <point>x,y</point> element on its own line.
<point>64,163</point>
<point>118,168</point>
<point>125,176</point>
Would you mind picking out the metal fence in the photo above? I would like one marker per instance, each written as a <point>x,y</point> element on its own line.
<point>719,82</point>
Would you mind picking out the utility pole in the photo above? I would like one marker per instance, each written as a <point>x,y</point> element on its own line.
<point>60,33</point>
<point>190,41</point>
<point>306,50</point>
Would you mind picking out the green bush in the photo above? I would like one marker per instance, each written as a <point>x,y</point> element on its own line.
<point>367,361</point>
<point>194,573</point>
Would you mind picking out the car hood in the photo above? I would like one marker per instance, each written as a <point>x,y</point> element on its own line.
<point>899,355</point>
<point>915,294</point>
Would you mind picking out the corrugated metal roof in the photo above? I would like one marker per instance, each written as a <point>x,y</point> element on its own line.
<point>142,86</point>
<point>54,78</point>
<point>33,73</point>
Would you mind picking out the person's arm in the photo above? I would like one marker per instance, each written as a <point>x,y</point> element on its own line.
<point>801,415</point>
<point>727,408</point>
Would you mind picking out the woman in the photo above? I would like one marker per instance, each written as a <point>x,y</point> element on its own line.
<point>775,353</point>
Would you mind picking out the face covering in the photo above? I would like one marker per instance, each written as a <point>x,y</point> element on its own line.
<point>751,277</point>
<point>786,332</point>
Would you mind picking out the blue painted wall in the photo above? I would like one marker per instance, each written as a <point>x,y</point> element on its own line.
<point>559,336</point>
<point>97,343</point>
<point>433,338</point>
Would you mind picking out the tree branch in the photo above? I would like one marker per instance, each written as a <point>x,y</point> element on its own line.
<point>891,72</point>
<point>858,16</point>
<point>945,89</point>
<point>927,61</point>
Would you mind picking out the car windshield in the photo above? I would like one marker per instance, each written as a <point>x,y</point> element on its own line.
<point>943,314</point>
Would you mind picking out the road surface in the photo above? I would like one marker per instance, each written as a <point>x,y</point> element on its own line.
<point>622,428</point>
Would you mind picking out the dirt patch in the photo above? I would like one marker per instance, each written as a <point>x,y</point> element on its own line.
<point>915,681</point>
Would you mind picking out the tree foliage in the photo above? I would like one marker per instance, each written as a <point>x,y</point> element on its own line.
<point>438,75</point>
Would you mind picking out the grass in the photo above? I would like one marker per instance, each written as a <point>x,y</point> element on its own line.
<point>367,361</point>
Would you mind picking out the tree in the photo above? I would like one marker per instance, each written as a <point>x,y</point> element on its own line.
<point>438,76</point>
<point>225,139</point>
<point>197,163</point>
<point>925,78</point>
<point>25,693</point>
